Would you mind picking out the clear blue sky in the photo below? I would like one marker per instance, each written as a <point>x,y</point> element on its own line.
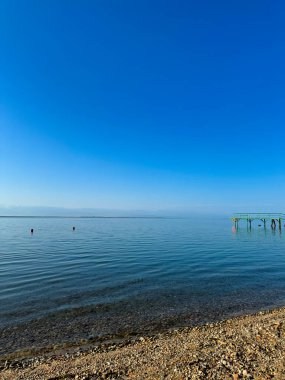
<point>143,104</point>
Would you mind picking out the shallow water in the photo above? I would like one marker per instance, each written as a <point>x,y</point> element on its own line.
<point>114,275</point>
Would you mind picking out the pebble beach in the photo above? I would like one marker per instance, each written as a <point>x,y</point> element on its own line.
<point>247,347</point>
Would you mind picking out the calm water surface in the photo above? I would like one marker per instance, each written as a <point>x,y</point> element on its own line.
<point>111,275</point>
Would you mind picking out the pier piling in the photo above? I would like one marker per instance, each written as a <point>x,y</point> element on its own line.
<point>274,218</point>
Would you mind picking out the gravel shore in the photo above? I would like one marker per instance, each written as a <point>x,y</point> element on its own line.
<point>249,347</point>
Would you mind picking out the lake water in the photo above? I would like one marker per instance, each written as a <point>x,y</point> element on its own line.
<point>120,275</point>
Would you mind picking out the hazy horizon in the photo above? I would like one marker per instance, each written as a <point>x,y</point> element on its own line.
<point>96,212</point>
<point>16,211</point>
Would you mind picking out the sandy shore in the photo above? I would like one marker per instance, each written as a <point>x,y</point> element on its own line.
<point>249,347</point>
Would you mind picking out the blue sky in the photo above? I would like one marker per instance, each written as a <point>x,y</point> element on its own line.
<point>143,105</point>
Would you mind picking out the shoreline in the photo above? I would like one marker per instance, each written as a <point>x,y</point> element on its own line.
<point>250,346</point>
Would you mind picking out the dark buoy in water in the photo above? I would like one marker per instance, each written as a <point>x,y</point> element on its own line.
<point>32,231</point>
<point>73,228</point>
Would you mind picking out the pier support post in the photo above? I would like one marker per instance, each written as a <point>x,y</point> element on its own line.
<point>273,224</point>
<point>276,220</point>
<point>236,222</point>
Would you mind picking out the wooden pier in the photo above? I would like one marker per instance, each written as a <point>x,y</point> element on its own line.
<point>273,218</point>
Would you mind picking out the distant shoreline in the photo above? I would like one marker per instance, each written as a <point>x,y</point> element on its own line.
<point>88,217</point>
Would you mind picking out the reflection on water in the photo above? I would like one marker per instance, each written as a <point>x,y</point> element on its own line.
<point>113,275</point>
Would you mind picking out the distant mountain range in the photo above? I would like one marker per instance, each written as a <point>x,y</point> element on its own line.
<point>90,212</point>
<point>58,211</point>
